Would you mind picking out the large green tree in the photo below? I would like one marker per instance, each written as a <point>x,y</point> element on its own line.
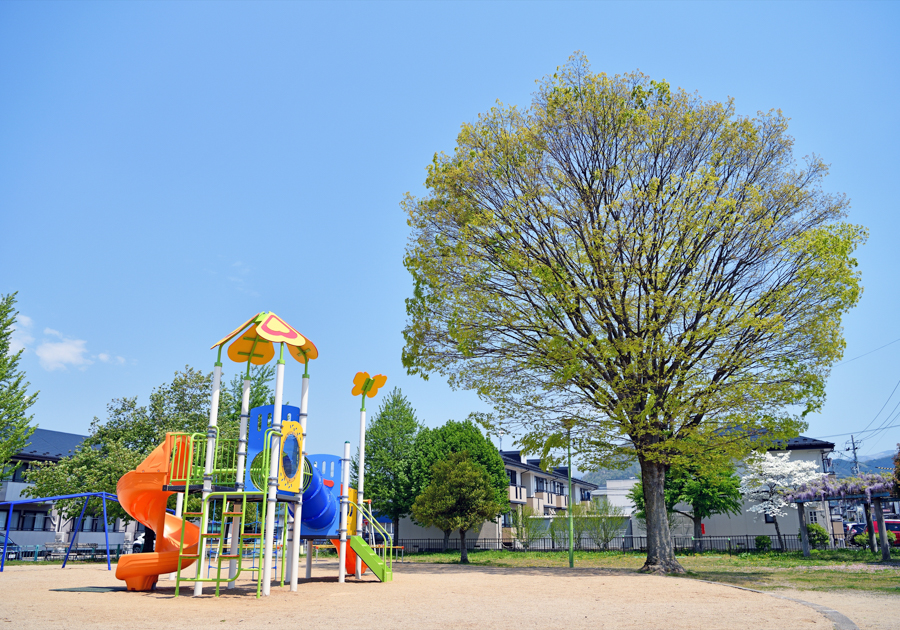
<point>460,496</point>
<point>705,490</point>
<point>15,422</point>
<point>654,266</point>
<point>433,445</point>
<point>390,451</point>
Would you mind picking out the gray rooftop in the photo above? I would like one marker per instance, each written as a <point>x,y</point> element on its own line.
<point>46,445</point>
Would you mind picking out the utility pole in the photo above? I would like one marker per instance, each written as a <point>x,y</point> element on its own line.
<point>855,459</point>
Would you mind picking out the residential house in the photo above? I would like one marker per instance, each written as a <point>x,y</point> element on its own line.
<point>39,523</point>
<point>547,492</point>
<point>747,523</point>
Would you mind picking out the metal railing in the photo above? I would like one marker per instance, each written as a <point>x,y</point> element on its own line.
<point>57,551</point>
<point>726,544</point>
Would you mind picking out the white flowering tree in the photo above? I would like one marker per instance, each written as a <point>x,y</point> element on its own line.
<point>769,481</point>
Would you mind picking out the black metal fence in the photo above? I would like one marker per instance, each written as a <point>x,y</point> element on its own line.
<point>726,544</point>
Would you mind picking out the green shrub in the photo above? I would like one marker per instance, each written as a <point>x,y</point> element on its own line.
<point>861,540</point>
<point>818,537</point>
<point>763,543</point>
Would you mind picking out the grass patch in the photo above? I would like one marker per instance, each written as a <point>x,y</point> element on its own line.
<point>838,569</point>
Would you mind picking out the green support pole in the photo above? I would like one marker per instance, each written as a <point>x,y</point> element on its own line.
<point>570,506</point>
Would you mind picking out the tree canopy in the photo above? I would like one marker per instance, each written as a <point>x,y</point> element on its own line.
<point>433,445</point>
<point>653,266</point>
<point>771,479</point>
<point>15,422</point>
<point>459,496</point>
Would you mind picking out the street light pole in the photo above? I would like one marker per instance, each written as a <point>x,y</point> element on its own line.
<point>571,503</point>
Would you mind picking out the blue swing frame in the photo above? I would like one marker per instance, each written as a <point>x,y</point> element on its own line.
<point>106,496</point>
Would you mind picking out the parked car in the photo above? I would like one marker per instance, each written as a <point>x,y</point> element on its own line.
<point>892,526</point>
<point>853,530</point>
<point>138,544</point>
<point>849,525</point>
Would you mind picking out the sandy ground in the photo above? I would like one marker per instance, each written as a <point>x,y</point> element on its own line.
<point>869,611</point>
<point>421,596</point>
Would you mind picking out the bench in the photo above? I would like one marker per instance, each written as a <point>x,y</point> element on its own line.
<point>392,547</point>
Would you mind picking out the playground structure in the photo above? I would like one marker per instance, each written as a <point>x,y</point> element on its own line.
<point>244,480</point>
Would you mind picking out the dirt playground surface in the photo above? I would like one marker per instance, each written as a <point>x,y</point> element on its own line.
<point>421,596</point>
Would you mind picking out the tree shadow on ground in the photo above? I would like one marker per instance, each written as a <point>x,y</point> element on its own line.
<point>438,568</point>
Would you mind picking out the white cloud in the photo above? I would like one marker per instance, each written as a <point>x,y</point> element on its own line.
<point>57,355</point>
<point>55,333</point>
<point>108,358</point>
<point>21,335</point>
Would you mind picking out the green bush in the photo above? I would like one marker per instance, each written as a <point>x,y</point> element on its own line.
<point>763,543</point>
<point>818,537</point>
<point>861,540</point>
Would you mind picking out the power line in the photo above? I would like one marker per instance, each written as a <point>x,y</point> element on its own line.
<point>867,353</point>
<point>856,432</point>
<point>882,408</point>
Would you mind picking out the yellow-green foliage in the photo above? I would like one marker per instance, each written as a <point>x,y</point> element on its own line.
<point>649,266</point>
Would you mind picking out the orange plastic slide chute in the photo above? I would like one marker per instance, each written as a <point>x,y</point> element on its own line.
<point>141,495</point>
<point>350,560</point>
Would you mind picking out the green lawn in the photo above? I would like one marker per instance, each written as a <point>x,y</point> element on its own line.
<point>823,570</point>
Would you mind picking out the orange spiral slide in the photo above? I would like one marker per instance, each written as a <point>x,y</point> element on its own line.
<point>141,494</point>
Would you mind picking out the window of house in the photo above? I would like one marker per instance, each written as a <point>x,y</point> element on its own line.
<point>539,484</point>
<point>770,519</point>
<point>585,495</point>
<point>507,520</point>
<point>813,516</point>
<point>26,521</point>
<point>19,474</point>
<point>512,477</point>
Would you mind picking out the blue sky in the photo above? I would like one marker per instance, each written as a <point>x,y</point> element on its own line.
<point>169,169</point>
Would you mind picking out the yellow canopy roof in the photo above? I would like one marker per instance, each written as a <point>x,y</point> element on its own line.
<point>257,344</point>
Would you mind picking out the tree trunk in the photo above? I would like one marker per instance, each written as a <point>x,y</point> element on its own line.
<point>446,540</point>
<point>698,534</point>
<point>464,554</point>
<point>804,532</point>
<point>660,551</point>
<point>149,540</point>
<point>396,532</point>
<point>869,527</point>
<point>882,532</point>
<point>778,531</point>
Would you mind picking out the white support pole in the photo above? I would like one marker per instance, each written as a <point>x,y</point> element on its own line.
<point>272,500</point>
<point>361,479</point>
<point>179,508</point>
<point>345,504</point>
<point>239,481</point>
<point>208,467</point>
<point>298,507</point>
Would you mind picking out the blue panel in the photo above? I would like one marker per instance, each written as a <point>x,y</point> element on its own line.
<point>261,420</point>
<point>321,516</point>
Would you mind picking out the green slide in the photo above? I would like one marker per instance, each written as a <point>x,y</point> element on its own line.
<point>372,559</point>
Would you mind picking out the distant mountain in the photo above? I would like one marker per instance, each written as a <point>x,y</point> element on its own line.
<point>600,477</point>
<point>844,468</point>
<point>865,458</point>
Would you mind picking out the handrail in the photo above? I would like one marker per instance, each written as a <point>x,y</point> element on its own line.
<point>387,549</point>
<point>187,454</point>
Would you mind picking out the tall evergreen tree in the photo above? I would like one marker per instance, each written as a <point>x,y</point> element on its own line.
<point>390,450</point>
<point>15,423</point>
